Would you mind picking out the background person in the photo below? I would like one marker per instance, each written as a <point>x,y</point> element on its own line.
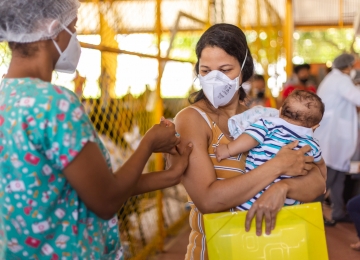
<point>60,194</point>
<point>300,80</point>
<point>353,207</point>
<point>79,84</point>
<point>338,130</point>
<point>256,96</point>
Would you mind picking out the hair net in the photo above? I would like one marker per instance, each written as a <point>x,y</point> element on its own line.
<point>25,21</point>
<point>343,61</point>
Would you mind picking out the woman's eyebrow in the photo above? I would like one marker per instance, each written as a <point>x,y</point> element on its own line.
<point>225,65</point>
<point>204,66</point>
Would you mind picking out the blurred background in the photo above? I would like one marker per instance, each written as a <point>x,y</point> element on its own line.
<point>137,64</point>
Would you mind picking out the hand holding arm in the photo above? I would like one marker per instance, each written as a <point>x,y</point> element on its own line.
<point>103,192</point>
<point>163,179</point>
<point>295,163</point>
<point>162,137</point>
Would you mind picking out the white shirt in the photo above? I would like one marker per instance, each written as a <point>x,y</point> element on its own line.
<point>338,129</point>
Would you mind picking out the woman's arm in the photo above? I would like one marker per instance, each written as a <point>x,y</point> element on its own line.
<point>272,200</point>
<point>104,192</point>
<point>322,167</point>
<point>314,182</point>
<point>163,179</point>
<point>212,195</point>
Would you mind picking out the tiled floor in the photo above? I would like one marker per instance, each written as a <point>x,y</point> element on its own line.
<point>338,240</point>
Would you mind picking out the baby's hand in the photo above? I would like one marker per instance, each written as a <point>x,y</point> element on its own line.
<point>221,152</point>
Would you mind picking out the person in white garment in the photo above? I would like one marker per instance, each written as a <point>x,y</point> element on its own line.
<point>338,130</point>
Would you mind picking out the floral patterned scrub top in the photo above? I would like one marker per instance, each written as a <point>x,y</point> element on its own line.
<point>42,129</point>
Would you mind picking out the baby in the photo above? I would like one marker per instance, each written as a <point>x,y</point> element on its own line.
<point>268,130</point>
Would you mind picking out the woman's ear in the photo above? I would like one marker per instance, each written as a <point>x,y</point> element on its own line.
<point>52,28</point>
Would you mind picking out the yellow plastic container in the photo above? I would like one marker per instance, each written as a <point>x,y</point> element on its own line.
<point>299,235</point>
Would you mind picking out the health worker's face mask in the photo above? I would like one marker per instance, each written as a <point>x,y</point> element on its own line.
<point>68,59</point>
<point>218,88</point>
<point>353,73</point>
<point>304,80</point>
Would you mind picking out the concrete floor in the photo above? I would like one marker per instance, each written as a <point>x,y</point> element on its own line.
<point>338,240</point>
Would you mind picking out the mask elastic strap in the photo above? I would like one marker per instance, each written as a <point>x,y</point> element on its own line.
<point>56,45</point>
<point>244,60</point>
<point>242,66</point>
<point>67,29</point>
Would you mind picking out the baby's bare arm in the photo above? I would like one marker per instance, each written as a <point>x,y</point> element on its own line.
<point>242,144</point>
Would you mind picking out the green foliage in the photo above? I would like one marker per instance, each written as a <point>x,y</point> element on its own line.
<point>5,54</point>
<point>184,45</point>
<point>323,46</point>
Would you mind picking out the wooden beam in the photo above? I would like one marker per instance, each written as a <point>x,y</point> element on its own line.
<point>312,27</point>
<point>103,48</point>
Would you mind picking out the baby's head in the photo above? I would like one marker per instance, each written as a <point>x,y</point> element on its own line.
<point>303,108</point>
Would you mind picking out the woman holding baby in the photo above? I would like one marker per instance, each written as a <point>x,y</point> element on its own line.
<point>224,63</point>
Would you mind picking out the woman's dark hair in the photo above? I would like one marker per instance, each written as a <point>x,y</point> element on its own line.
<point>233,41</point>
<point>24,49</point>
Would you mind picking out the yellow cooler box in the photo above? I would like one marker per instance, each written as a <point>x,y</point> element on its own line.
<point>299,235</point>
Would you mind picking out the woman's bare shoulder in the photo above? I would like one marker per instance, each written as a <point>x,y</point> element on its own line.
<point>193,113</point>
<point>193,121</point>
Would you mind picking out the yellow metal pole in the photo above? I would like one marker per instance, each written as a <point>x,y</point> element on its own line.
<point>288,36</point>
<point>341,11</point>
<point>159,109</point>
<point>210,8</point>
<point>258,29</point>
<point>108,61</point>
<point>240,12</point>
<point>272,54</point>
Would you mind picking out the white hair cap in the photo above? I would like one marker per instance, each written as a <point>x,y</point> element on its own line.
<point>343,61</point>
<point>24,21</point>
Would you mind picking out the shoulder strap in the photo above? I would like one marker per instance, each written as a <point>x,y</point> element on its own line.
<point>203,114</point>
